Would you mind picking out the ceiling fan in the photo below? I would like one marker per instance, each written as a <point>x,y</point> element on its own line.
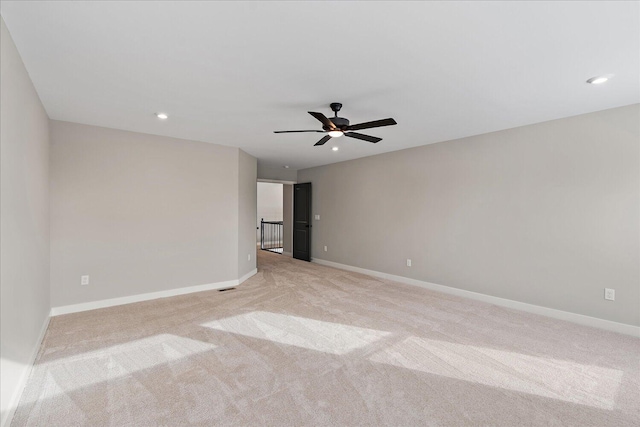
<point>336,126</point>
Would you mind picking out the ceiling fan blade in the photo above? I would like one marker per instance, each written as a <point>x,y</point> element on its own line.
<point>325,121</point>
<point>367,138</point>
<point>374,124</point>
<point>323,140</point>
<point>295,131</point>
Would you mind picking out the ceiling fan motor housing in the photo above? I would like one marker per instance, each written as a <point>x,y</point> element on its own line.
<point>340,122</point>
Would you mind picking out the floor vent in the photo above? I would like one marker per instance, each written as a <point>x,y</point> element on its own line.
<point>225,289</point>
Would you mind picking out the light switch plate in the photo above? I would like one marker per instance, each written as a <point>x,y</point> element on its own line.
<point>317,217</point>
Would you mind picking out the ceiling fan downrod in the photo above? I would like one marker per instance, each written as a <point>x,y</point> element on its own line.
<point>335,107</point>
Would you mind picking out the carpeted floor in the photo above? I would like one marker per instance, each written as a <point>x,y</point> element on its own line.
<point>307,345</point>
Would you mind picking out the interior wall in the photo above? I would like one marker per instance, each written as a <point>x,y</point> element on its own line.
<point>24,221</point>
<point>270,201</point>
<point>247,208</point>
<point>139,213</point>
<point>545,214</point>
<point>287,219</point>
<point>277,174</point>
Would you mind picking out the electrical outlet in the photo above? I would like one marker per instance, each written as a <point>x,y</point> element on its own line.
<point>609,294</point>
<point>84,280</point>
<point>325,249</point>
<point>408,262</point>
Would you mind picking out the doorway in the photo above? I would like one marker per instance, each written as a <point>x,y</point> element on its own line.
<point>269,228</point>
<point>274,217</point>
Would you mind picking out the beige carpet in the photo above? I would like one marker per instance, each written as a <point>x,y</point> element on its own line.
<point>305,345</point>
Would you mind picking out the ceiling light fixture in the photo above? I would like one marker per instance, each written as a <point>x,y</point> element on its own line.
<point>286,166</point>
<point>335,148</point>
<point>598,79</point>
<point>335,133</point>
<point>162,116</point>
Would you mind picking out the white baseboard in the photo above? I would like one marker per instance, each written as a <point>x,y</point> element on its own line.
<point>246,276</point>
<point>24,376</point>
<point>581,319</point>
<point>289,254</point>
<point>75,308</point>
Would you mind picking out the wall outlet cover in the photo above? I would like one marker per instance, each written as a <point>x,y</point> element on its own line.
<point>609,294</point>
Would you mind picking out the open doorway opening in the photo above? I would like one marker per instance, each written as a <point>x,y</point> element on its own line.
<point>270,226</point>
<point>274,217</point>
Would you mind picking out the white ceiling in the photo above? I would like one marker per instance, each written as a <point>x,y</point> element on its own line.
<point>232,72</point>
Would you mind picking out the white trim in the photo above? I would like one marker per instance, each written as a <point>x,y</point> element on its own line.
<point>580,319</point>
<point>92,305</point>
<point>289,254</point>
<point>277,181</point>
<point>246,276</point>
<point>24,376</point>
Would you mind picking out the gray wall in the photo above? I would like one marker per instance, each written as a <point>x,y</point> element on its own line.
<point>142,213</point>
<point>246,213</point>
<point>277,174</point>
<point>287,218</point>
<point>546,214</point>
<point>24,218</point>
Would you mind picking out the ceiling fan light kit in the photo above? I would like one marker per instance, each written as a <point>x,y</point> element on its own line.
<point>336,126</point>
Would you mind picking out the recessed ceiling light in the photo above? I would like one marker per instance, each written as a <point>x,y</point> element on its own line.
<point>335,148</point>
<point>598,79</point>
<point>162,116</point>
<point>286,166</point>
<point>335,133</point>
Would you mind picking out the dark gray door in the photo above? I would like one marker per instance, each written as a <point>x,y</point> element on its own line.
<point>302,221</point>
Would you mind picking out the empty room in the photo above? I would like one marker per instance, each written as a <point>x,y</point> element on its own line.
<point>320,213</point>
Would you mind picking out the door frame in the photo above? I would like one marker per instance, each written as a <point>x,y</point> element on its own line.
<point>287,224</point>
